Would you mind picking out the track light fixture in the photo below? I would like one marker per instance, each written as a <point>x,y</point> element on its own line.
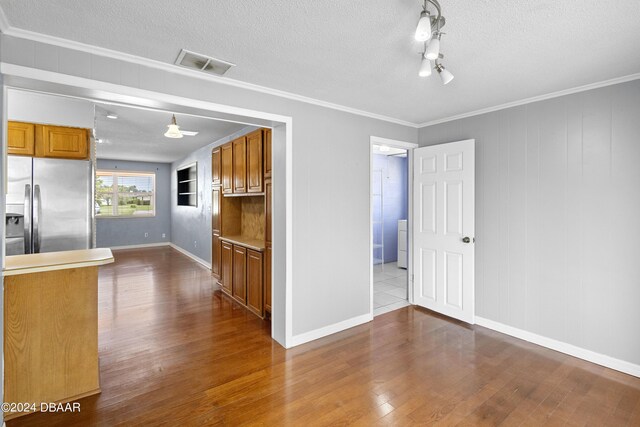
<point>429,31</point>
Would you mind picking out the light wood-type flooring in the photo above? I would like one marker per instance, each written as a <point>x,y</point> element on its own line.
<point>175,351</point>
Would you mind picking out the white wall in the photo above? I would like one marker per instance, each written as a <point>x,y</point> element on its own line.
<point>558,217</point>
<point>47,109</point>
<point>330,176</point>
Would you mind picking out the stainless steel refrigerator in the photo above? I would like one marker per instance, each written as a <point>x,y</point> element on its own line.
<point>49,205</point>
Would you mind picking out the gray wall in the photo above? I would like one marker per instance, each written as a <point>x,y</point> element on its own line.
<point>191,226</point>
<point>112,232</point>
<point>330,175</point>
<point>558,216</point>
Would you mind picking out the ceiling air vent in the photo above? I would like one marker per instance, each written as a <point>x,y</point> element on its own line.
<point>203,63</point>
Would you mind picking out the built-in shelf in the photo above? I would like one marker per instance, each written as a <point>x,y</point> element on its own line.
<point>187,178</point>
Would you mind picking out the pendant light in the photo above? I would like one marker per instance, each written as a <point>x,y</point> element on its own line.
<point>445,74</point>
<point>423,31</point>
<point>174,129</point>
<point>425,67</point>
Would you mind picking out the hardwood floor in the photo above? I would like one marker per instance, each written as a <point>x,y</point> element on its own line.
<point>175,351</point>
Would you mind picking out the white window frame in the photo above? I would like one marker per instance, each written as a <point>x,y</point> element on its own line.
<point>114,205</point>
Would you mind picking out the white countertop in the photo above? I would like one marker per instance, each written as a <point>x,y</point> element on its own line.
<point>50,261</point>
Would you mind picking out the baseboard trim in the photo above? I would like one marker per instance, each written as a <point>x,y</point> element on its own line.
<point>329,330</point>
<point>562,347</point>
<point>144,245</point>
<point>190,255</point>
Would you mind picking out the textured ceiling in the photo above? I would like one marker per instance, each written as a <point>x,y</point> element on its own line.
<point>138,134</point>
<point>360,53</point>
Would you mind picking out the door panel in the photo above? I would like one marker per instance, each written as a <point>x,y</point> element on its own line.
<point>216,176</point>
<point>226,168</point>
<point>240,274</point>
<point>444,207</point>
<point>66,205</point>
<point>254,282</point>
<point>21,138</point>
<point>254,162</point>
<point>240,165</point>
<point>61,142</point>
<point>226,267</point>
<point>215,255</point>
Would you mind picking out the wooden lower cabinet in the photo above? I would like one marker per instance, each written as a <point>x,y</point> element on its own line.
<point>240,274</point>
<point>216,252</point>
<point>267,278</point>
<point>254,282</point>
<point>226,267</point>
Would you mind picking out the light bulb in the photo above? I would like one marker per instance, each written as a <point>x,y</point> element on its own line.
<point>425,68</point>
<point>433,49</point>
<point>445,75</point>
<point>423,31</point>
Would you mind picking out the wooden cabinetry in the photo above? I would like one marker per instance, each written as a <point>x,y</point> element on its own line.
<point>239,275</point>
<point>62,142</point>
<point>240,165</point>
<point>267,153</point>
<point>254,282</point>
<point>29,139</point>
<point>254,162</point>
<point>215,167</point>
<point>267,278</point>
<point>226,267</point>
<point>216,252</point>
<point>226,168</point>
<point>21,138</point>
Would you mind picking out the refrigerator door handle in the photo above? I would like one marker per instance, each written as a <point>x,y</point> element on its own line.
<point>37,210</point>
<point>27,219</point>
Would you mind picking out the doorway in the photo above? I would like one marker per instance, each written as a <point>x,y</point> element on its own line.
<point>390,199</point>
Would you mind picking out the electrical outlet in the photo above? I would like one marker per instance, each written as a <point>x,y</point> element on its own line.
<point>164,235</point>
<point>146,234</point>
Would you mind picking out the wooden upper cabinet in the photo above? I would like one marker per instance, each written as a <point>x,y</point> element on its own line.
<point>216,203</point>
<point>254,162</point>
<point>226,168</point>
<point>267,153</point>
<point>62,142</point>
<point>268,196</point>
<point>239,277</point>
<point>21,138</point>
<point>240,165</point>
<point>226,266</point>
<point>216,174</point>
<point>254,282</point>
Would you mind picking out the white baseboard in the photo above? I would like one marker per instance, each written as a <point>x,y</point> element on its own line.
<point>562,347</point>
<point>144,245</point>
<point>190,255</point>
<point>329,330</point>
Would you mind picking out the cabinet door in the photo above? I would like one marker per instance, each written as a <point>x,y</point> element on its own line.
<point>268,193</point>
<point>61,142</point>
<point>240,165</point>
<point>216,203</point>
<point>21,138</point>
<point>215,167</point>
<point>254,281</point>
<point>254,162</point>
<point>267,278</point>
<point>216,252</point>
<point>267,153</point>
<point>226,168</point>
<point>239,274</point>
<point>226,266</point>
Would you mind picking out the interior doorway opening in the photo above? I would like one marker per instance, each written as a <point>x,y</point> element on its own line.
<point>390,225</point>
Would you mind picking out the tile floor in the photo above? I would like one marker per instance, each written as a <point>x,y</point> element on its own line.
<point>389,288</point>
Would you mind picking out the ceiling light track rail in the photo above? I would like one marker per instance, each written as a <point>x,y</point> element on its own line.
<point>429,31</point>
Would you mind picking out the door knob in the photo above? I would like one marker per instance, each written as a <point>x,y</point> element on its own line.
<point>466,240</point>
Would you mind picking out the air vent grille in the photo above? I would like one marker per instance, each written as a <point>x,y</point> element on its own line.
<point>203,63</point>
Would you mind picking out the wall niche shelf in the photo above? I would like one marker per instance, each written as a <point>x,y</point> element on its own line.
<point>187,177</point>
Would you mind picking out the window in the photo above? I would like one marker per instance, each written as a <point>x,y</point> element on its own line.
<point>125,194</point>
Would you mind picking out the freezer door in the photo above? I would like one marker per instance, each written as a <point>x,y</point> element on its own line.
<point>19,201</point>
<point>62,204</point>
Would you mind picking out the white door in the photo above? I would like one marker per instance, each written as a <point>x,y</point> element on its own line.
<point>444,228</point>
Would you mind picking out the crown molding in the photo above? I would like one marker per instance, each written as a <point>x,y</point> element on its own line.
<point>174,69</point>
<point>551,95</point>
